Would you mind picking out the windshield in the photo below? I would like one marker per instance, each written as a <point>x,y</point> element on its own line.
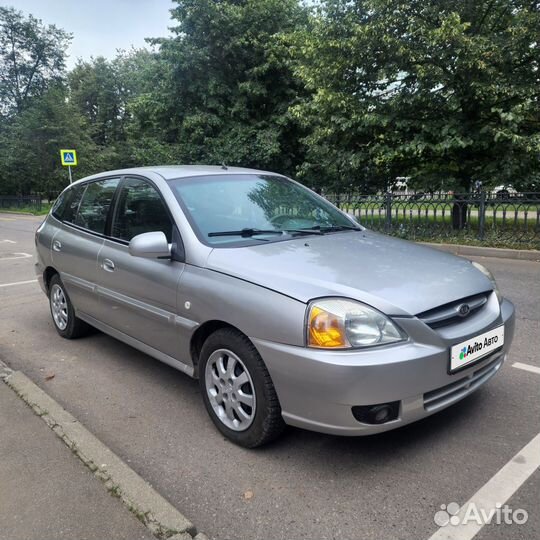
<point>249,208</point>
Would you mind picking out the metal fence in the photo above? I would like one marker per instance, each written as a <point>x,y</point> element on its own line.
<point>13,202</point>
<point>508,220</point>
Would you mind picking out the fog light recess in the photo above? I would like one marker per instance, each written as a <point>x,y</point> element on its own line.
<point>376,414</point>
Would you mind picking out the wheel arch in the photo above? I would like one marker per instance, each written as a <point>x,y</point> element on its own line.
<point>48,274</point>
<point>201,335</point>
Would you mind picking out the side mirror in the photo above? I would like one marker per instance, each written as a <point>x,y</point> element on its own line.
<point>150,245</point>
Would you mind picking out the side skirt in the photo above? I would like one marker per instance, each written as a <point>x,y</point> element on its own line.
<point>158,355</point>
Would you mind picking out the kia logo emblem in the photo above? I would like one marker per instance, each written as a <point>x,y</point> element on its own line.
<point>464,309</point>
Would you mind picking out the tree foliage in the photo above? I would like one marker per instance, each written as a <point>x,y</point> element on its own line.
<point>441,91</point>
<point>31,58</point>
<point>341,93</point>
<point>226,84</point>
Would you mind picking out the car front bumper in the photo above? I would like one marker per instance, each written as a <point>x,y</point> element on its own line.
<point>317,389</point>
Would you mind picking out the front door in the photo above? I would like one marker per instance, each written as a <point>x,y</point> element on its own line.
<point>138,295</point>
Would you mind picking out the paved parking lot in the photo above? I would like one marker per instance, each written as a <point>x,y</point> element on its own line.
<point>307,485</point>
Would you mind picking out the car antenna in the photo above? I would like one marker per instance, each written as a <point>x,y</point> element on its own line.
<point>223,166</point>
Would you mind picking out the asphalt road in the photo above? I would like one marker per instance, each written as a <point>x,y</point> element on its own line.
<point>307,485</point>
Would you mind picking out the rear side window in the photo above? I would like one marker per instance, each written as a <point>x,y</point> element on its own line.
<point>140,209</point>
<point>95,204</point>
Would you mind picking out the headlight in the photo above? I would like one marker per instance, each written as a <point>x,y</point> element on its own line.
<point>489,275</point>
<point>335,323</point>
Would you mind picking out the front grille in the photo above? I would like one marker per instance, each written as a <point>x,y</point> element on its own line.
<point>449,313</point>
<point>446,395</point>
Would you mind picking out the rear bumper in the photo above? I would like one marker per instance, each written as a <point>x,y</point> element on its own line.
<point>317,389</point>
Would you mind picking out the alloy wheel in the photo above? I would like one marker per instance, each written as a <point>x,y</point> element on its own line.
<point>230,390</point>
<point>59,307</point>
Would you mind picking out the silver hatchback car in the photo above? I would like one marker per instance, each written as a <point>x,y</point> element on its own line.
<point>284,308</point>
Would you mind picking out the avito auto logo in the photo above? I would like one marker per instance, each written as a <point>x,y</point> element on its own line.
<point>477,346</point>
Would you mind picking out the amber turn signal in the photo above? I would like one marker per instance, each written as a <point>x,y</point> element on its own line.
<point>326,330</point>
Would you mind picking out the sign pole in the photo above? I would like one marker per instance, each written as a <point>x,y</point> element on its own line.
<point>70,179</point>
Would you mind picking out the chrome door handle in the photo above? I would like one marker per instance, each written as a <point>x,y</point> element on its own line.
<point>108,265</point>
<point>57,245</point>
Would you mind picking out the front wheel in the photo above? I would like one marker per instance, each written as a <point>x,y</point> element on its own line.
<point>237,390</point>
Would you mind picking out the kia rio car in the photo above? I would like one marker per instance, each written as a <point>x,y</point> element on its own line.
<point>284,308</point>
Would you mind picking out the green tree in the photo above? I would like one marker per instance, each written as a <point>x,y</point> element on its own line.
<point>29,153</point>
<point>31,58</point>
<point>36,119</point>
<point>110,95</point>
<point>96,92</point>
<point>144,81</point>
<point>444,92</point>
<point>226,85</point>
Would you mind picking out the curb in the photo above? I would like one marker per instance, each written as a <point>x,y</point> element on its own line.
<point>502,253</point>
<point>154,511</point>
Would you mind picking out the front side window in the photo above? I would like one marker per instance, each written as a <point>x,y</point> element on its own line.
<point>140,209</point>
<point>95,204</point>
<point>256,207</point>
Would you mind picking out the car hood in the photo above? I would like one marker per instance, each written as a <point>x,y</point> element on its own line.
<point>395,276</point>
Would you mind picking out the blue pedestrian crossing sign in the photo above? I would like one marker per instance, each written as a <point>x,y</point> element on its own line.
<point>69,158</point>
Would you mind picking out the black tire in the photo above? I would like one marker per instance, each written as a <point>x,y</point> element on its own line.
<point>75,327</point>
<point>267,423</point>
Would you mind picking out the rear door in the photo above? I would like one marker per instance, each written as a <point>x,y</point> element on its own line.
<point>76,244</point>
<point>138,295</point>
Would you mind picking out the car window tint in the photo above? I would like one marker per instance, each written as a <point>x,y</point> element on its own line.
<point>60,205</point>
<point>95,204</point>
<point>73,200</point>
<point>140,209</point>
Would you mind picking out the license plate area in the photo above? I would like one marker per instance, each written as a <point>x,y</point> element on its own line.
<point>472,350</point>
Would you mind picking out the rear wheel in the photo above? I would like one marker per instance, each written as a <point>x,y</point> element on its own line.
<point>66,323</point>
<point>237,390</point>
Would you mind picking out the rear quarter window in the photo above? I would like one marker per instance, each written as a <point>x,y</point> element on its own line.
<point>60,205</point>
<point>66,206</point>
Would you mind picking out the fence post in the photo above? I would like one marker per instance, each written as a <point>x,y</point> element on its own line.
<point>388,205</point>
<point>482,215</point>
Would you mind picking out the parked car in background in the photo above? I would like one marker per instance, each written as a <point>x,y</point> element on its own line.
<point>503,192</point>
<point>284,308</point>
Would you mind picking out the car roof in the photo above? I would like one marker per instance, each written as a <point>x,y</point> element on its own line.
<point>173,172</point>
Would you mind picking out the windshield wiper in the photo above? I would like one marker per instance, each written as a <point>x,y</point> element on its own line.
<point>314,230</point>
<point>317,229</point>
<point>245,233</point>
<point>331,228</point>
